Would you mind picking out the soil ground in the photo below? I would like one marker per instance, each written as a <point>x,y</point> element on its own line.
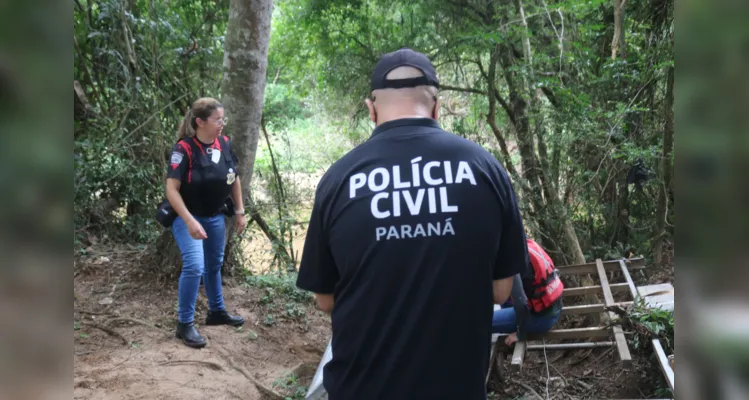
<point>125,346</point>
<point>143,359</point>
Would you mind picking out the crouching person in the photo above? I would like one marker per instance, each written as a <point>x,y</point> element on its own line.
<point>536,299</point>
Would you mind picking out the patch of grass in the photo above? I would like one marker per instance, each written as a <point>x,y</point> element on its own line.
<point>293,310</point>
<point>267,299</point>
<point>649,323</point>
<point>664,393</point>
<point>282,298</point>
<point>290,387</point>
<point>279,287</point>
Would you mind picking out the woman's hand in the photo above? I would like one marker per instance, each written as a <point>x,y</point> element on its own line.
<point>511,338</point>
<point>240,222</point>
<point>196,230</point>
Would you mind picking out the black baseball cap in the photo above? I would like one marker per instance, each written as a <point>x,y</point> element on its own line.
<point>404,58</point>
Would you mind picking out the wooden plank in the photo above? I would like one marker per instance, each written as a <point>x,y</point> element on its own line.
<point>621,341</point>
<point>565,334</point>
<point>628,278</point>
<point>668,372</point>
<point>632,263</point>
<point>665,303</point>
<point>583,309</point>
<point>650,290</point>
<point>591,268</point>
<point>591,308</point>
<point>583,290</point>
<point>658,296</point>
<point>518,354</point>
<point>492,358</point>
<point>608,297</point>
<point>566,346</point>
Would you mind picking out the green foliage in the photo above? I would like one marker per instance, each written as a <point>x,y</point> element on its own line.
<point>280,286</point>
<point>290,387</point>
<point>281,298</point>
<point>282,107</point>
<point>599,116</point>
<point>304,145</point>
<point>294,310</point>
<point>252,335</point>
<point>648,324</point>
<point>141,63</point>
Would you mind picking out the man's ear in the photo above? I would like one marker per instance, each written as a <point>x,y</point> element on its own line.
<point>437,104</point>
<point>372,112</point>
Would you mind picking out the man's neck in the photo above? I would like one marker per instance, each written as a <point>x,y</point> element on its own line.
<point>384,119</point>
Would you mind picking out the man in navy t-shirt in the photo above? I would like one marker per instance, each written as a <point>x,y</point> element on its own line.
<point>413,236</point>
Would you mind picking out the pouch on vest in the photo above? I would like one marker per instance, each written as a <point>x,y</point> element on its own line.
<point>228,208</point>
<point>165,214</point>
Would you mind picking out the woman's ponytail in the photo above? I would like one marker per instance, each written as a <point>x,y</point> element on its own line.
<point>186,128</point>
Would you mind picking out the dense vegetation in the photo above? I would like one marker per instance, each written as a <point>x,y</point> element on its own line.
<point>573,97</point>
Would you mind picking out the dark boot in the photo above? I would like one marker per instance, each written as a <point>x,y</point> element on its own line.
<point>223,318</point>
<point>190,335</point>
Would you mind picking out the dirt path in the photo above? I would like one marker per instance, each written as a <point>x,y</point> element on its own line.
<point>125,347</point>
<point>144,360</point>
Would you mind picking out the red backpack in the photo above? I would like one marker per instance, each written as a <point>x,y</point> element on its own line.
<point>547,287</point>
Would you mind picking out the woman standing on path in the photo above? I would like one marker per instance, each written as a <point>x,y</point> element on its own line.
<point>202,178</point>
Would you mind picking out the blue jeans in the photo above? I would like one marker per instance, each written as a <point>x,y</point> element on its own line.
<point>504,321</point>
<point>200,258</point>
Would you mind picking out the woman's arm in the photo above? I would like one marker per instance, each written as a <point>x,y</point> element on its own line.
<point>240,221</point>
<point>175,199</point>
<point>236,195</point>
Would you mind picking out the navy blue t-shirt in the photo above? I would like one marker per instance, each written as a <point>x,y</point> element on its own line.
<point>407,231</point>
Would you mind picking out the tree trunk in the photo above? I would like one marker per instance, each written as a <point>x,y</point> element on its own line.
<point>243,90</point>
<point>243,84</point>
<point>662,210</point>
<point>491,118</point>
<point>163,263</point>
<point>621,188</point>
<point>279,244</point>
<point>526,38</point>
<point>552,218</point>
<point>618,43</point>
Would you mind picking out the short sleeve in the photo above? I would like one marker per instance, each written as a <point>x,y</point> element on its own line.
<point>179,163</point>
<point>513,251</point>
<point>317,270</point>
